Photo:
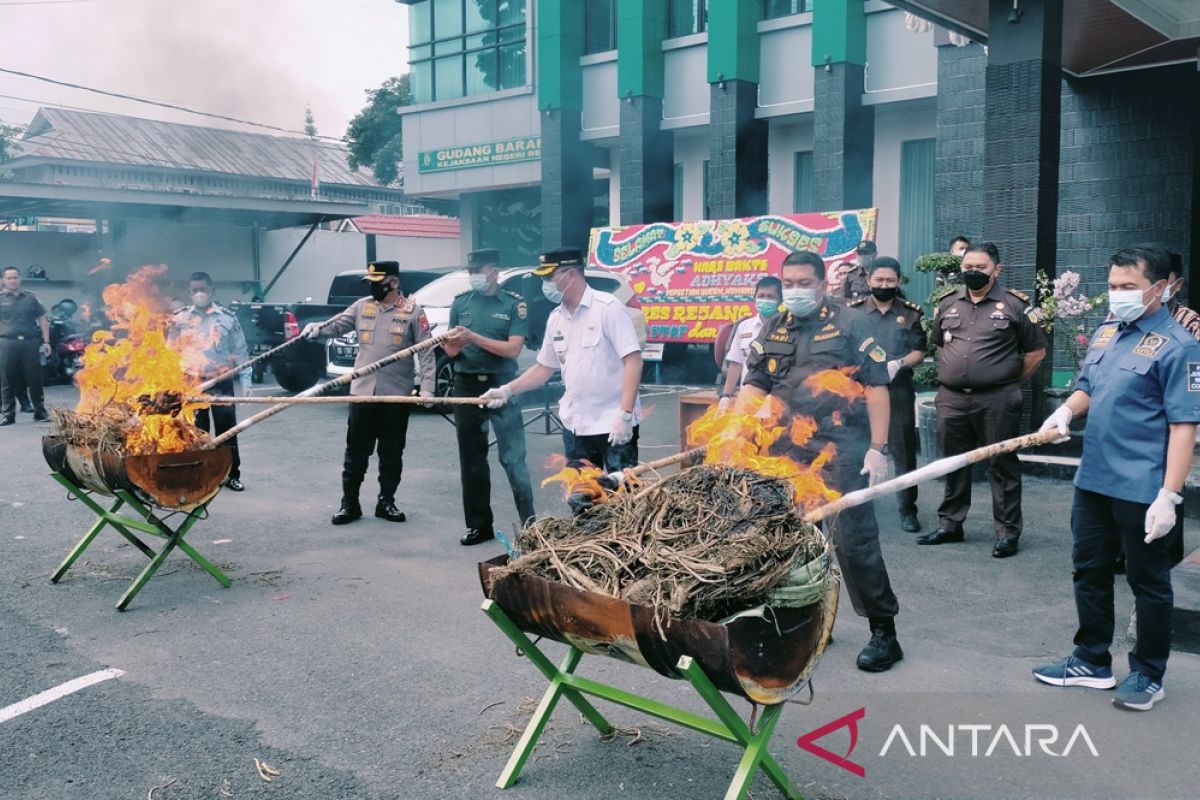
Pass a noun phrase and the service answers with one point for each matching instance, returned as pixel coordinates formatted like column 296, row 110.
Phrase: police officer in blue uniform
column 1140, row 387
column 488, row 327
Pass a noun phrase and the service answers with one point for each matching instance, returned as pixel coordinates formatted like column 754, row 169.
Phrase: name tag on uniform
column 779, row 335
column 501, row 316
column 1150, row 344
column 822, row 337
column 1104, row 337
column 559, row 344
column 1193, row 376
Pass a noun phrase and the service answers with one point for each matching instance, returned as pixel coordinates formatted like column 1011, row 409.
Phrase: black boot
column 350, row 510
column 883, row 651
column 385, row 508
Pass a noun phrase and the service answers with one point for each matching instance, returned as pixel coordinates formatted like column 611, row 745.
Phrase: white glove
column 426, row 393
column 875, row 467
column 498, row 397
column 44, row 350
column 622, row 430
column 893, row 367
column 1060, row 421
column 1160, row 516
column 724, row 404
column 312, row 330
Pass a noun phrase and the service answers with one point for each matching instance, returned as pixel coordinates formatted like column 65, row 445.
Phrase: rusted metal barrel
column 764, row 659
column 172, row 481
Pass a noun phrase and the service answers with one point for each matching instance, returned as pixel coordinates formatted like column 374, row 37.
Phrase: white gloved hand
column 1160, row 516
column 425, row 393
column 724, row 404
column 1059, row 421
column 875, row 467
column 498, row 397
column 893, row 367
column 622, row 430
column 312, row 330
column 44, row 350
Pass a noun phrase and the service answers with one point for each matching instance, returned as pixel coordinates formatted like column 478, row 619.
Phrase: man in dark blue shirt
column 1140, row 386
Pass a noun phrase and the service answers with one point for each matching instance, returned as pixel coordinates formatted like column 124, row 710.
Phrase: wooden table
column 692, row 406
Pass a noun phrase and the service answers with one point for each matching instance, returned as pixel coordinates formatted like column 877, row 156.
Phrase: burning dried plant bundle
column 708, row 542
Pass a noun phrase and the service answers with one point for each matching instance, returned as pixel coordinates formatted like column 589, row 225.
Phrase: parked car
column 268, row 325
column 436, row 297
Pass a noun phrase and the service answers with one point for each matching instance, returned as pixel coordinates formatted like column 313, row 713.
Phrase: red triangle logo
column 808, row 742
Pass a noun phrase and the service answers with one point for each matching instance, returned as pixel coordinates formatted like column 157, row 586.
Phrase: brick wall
column 647, row 163
column 959, row 145
column 737, row 167
column 843, row 139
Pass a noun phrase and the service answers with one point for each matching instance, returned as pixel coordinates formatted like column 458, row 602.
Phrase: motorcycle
column 66, row 346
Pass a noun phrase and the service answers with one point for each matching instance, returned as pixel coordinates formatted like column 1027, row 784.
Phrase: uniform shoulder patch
column 1024, row 298
column 424, row 322
column 522, row 310
column 877, row 354
column 1035, row 315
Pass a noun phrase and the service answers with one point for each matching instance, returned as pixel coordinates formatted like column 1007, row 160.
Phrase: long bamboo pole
column 322, row 388
column 386, row 399
column 232, row 371
column 935, row 469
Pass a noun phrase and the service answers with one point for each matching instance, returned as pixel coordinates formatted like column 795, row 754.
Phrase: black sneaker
column 881, row 653
column 349, row 511
column 477, row 536
column 235, row 485
column 386, row 509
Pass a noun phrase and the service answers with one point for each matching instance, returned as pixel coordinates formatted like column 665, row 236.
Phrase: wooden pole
column 322, row 388
column 388, row 399
column 935, row 469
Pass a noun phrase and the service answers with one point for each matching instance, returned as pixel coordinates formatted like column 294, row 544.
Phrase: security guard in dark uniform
column 386, row 323
column 854, row 283
column 488, row 327
column 815, row 334
column 896, row 326
column 24, row 335
column 991, row 340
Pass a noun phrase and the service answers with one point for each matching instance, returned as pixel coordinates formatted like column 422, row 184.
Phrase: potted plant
column 945, row 269
column 1068, row 314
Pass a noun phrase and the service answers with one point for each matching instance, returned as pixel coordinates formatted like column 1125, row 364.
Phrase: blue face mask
column 801, row 302
column 552, row 292
column 767, row 308
column 1127, row 305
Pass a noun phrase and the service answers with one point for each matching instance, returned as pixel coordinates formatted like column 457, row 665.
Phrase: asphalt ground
column 356, row 661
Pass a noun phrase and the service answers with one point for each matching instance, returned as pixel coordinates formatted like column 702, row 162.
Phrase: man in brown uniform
column 815, row 334
column 990, row 340
column 854, row 282
column 896, row 325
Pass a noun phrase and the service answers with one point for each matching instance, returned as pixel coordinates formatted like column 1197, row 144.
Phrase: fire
column 105, row 264
column 743, row 438
column 576, row 481
column 133, row 359
column 835, row 381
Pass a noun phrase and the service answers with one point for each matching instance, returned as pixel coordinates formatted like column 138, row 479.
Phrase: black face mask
column 975, row 280
column 380, row 291
column 884, row 294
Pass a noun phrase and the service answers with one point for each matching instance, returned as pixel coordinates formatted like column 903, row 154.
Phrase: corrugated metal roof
column 419, row 225
column 116, row 139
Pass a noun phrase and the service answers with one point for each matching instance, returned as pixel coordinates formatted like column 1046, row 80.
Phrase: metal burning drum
column 172, row 481
column 764, row 659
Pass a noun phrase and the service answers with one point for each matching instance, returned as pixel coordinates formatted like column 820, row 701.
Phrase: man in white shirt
column 592, row 341
column 768, row 294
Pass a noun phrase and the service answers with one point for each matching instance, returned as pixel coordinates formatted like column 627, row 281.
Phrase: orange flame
column 740, row 439
column 134, row 359
column 105, row 263
column 835, row 381
column 576, row 481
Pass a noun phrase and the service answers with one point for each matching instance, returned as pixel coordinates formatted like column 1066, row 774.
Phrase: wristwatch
column 882, row 448
column 627, row 416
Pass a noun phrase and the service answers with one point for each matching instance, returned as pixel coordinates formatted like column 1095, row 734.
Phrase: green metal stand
column 125, row 525
column 728, row 726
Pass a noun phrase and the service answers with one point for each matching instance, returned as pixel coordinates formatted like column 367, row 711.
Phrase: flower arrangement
column 1060, row 301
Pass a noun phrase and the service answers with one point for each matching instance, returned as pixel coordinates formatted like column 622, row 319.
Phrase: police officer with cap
column 592, row 341
column 855, row 283
column 991, row 340
column 386, row 323
column 815, row 334
column 488, row 327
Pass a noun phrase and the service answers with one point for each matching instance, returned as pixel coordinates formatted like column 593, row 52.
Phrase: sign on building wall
column 692, row 278
column 486, row 154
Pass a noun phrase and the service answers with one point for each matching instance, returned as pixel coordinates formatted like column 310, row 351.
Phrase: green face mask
column 767, row 308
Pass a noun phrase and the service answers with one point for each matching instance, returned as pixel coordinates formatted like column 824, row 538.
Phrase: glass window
column 447, row 18
column 599, row 26
column 803, row 183
column 686, row 17
column 419, row 27
column 478, row 46
column 448, row 78
column 784, row 8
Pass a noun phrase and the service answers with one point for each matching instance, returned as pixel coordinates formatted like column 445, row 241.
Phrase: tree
column 375, row 135
column 8, row 147
column 310, row 124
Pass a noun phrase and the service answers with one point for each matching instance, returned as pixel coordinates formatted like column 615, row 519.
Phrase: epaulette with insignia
column 1019, row 295
column 858, row 301
column 910, row 304
column 513, row 295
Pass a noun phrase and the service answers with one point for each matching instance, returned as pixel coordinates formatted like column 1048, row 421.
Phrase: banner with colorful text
column 694, row 277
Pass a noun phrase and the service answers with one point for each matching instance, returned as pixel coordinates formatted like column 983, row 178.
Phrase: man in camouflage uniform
column 386, row 323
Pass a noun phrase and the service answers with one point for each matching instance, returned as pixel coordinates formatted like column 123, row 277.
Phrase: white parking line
column 62, row 690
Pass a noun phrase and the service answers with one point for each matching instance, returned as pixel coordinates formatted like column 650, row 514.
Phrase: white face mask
column 801, row 301
column 478, row 282
column 201, row 299
column 1127, row 305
